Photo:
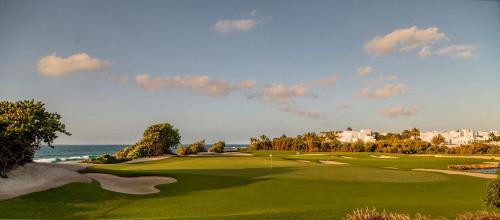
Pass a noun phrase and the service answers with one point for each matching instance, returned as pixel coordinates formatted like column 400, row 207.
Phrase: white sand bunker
column 345, row 157
column 35, row 177
column 304, row 161
column 480, row 175
column 130, row 185
column 331, row 162
column 383, row 157
column 237, row 154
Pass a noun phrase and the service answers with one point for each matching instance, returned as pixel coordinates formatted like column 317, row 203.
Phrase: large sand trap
column 331, row 162
column 304, row 161
column 34, row 177
column 480, row 175
column 237, row 154
column 383, row 157
column 130, row 185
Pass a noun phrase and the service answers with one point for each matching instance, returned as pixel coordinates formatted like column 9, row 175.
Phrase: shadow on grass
column 89, row 201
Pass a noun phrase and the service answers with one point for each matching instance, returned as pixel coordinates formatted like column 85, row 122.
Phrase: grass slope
column 236, row 187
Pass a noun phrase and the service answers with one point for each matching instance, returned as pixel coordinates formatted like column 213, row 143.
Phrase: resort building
column 364, row 135
column 464, row 136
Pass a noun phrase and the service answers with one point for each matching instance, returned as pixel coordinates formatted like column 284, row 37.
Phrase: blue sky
column 229, row 70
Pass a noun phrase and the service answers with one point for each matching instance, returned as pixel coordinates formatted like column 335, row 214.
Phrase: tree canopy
column 24, row 125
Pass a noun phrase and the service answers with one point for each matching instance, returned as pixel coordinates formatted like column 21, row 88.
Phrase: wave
column 61, row 159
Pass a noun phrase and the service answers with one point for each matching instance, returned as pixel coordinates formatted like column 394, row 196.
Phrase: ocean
column 62, row 153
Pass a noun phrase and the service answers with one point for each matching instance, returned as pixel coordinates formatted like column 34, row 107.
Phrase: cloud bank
column 244, row 24
column 202, row 85
column 399, row 111
column 387, row 91
column 54, row 65
column 420, row 40
column 364, row 71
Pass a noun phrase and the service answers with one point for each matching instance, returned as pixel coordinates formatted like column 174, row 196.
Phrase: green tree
column 349, row 129
column 414, row 133
column 218, row 147
column 492, row 198
column 156, row 140
column 438, row 139
column 24, row 125
column 198, row 146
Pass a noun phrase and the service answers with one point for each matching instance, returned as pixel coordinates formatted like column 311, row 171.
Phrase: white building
column 364, row 135
column 464, row 136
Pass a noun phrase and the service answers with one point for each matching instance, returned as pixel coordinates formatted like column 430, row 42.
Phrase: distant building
column 364, row 135
column 464, row 136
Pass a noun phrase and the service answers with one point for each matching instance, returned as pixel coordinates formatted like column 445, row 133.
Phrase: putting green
column 238, row 187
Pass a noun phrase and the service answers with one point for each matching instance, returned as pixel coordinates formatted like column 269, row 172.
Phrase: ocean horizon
column 73, row 152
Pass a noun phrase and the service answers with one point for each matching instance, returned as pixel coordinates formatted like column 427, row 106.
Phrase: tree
column 24, row 125
column 438, row 139
column 156, row 140
column 198, row 146
column 414, row 133
column 218, row 147
column 492, row 198
column 349, row 129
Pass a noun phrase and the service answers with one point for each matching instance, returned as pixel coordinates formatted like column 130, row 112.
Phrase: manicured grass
column 236, row 187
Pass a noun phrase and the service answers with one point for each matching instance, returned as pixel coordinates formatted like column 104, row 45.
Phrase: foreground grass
column 232, row 187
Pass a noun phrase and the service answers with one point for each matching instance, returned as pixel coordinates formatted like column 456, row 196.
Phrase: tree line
column 406, row 142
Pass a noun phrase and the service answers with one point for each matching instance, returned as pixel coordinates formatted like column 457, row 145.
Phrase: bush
column 105, row 159
column 373, row 214
column 182, row 150
column 492, row 198
column 198, row 146
column 218, row 147
column 157, row 140
column 24, row 125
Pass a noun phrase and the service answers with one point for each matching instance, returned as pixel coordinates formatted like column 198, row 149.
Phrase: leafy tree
column 198, row 146
column 349, row 129
column 414, row 133
column 438, row 139
column 24, row 125
column 182, row 150
column 157, row 139
column 218, row 147
column 492, row 198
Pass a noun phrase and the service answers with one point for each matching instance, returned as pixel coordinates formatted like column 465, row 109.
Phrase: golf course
column 257, row 186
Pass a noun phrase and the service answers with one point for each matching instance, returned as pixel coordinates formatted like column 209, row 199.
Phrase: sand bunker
column 35, row 177
column 130, row 185
column 483, row 157
column 345, row 157
column 451, row 172
column 383, row 157
column 237, row 154
column 331, row 162
column 304, row 161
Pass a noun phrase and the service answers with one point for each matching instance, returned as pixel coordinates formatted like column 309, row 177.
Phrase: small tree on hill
column 218, row 147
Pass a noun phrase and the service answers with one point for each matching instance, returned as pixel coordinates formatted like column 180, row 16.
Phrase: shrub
column 492, row 198
column 481, row 215
column 157, row 140
column 373, row 214
column 198, row 146
column 218, row 147
column 182, row 150
column 104, row 159
column 24, row 125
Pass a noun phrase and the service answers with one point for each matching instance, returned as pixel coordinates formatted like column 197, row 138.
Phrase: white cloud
column 405, row 40
column 302, row 113
column 382, row 79
column 279, row 93
column 398, row 111
column 54, row 65
column 244, row 24
column 199, row 84
column 461, row 51
column 364, row 71
column 387, row 91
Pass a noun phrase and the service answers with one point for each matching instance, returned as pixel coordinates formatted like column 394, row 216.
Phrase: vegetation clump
column 194, row 148
column 217, row 147
column 157, row 139
column 373, row 214
column 24, row 125
column 492, row 198
column 105, row 159
column 473, row 166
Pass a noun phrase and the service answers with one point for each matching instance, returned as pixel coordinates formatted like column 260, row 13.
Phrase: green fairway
column 241, row 187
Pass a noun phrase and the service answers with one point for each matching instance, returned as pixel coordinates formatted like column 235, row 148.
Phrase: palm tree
column 415, row 133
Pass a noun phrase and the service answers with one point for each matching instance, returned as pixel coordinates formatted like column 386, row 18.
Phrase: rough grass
column 232, row 187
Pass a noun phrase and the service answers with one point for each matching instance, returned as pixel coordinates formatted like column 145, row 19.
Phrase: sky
column 230, row 70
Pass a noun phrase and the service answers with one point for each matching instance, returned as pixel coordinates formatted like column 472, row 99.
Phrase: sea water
column 60, row 153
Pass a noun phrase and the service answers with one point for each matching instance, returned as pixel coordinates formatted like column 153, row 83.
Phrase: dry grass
column 473, row 166
column 373, row 214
